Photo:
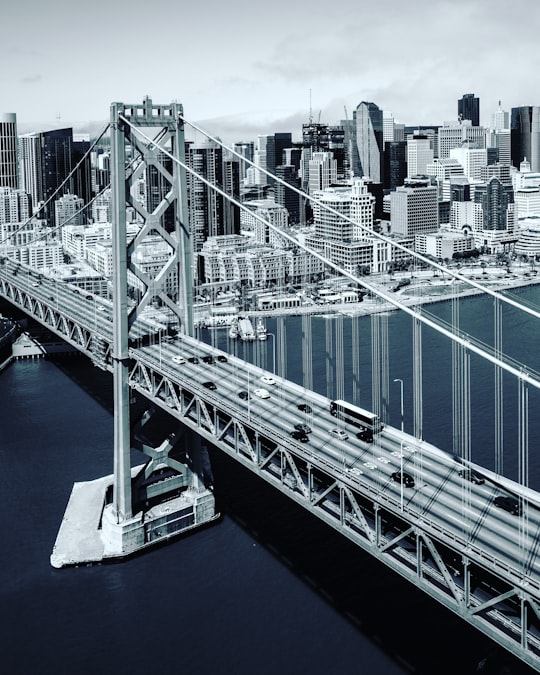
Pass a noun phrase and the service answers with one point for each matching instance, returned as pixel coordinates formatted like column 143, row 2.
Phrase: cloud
column 31, row 79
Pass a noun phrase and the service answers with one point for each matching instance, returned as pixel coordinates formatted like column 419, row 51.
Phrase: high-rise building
column 231, row 185
column 471, row 159
column 369, row 140
column 15, row 205
column 454, row 134
column 469, row 109
column 30, row 175
column 282, row 140
column 525, row 136
column 414, row 209
column 205, row 205
column 419, row 155
column 500, row 119
column 245, row 149
column 325, row 138
column 56, row 149
column 395, row 164
column 322, row 171
column 9, row 175
column 497, row 202
column 285, row 196
column 69, row 209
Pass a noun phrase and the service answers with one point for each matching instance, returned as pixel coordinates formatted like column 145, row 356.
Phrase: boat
column 260, row 330
column 233, row 330
column 245, row 329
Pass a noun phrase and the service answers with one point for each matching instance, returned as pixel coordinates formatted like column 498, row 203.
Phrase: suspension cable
column 520, row 373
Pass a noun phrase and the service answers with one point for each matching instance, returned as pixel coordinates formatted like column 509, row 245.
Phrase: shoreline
column 404, row 295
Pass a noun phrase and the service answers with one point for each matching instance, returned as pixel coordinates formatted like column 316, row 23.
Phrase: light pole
column 397, row 379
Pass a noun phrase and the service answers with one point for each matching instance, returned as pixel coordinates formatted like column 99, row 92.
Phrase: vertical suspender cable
column 456, row 376
column 281, row 365
column 385, row 374
column 417, row 380
column 499, row 417
column 523, row 456
column 340, row 366
column 375, row 363
column 307, row 353
column 355, row 346
column 329, row 360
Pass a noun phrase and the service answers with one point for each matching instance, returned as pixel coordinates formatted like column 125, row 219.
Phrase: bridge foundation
column 90, row 534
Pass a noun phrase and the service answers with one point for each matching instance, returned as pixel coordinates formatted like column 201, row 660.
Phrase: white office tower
column 30, row 177
column 260, row 158
column 419, row 155
column 322, row 171
column 414, row 210
column 102, row 208
column 500, row 119
column 362, row 209
column 454, row 134
column 527, row 202
column 8, row 151
column 471, row 159
column 465, row 217
column 444, row 169
column 69, row 209
column 388, row 126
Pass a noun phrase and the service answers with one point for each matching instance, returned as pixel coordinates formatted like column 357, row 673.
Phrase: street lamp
column 397, row 379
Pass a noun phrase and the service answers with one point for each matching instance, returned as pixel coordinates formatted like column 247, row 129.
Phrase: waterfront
column 268, row 589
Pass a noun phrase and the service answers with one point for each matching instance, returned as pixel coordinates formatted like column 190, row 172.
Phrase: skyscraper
column 525, row 136
column 369, row 140
column 8, row 151
column 469, row 109
column 205, row 205
column 30, row 178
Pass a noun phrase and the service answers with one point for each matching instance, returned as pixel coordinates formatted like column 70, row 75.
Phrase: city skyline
column 241, row 72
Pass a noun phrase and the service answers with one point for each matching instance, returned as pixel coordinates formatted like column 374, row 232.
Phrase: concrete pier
column 89, row 533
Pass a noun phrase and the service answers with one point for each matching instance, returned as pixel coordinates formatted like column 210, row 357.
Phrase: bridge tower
column 147, row 149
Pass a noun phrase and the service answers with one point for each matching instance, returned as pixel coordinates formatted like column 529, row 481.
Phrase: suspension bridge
column 465, row 534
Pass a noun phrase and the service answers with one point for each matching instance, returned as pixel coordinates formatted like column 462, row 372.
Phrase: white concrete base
column 90, row 534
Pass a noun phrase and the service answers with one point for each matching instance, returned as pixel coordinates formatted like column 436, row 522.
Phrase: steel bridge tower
column 147, row 148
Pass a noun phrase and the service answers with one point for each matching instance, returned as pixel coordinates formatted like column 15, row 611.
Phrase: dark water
column 266, row 590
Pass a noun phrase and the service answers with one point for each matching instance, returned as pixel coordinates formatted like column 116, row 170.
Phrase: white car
column 178, row 359
column 268, row 379
column 262, row 393
column 339, row 433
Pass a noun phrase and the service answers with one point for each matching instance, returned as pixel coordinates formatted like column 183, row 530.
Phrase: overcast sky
column 241, row 68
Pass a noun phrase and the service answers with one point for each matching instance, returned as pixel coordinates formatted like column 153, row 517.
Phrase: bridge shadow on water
column 410, row 627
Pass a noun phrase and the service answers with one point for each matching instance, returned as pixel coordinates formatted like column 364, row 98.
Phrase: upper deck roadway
column 445, row 533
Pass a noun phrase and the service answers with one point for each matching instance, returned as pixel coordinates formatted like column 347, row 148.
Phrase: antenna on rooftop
column 310, row 112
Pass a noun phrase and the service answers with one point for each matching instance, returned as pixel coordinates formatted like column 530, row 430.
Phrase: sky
column 243, row 68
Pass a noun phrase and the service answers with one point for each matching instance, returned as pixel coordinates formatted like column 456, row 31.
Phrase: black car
column 193, row 359
column 299, row 436
column 304, row 407
column 222, row 359
column 243, row 395
column 208, row 359
column 209, row 385
column 510, row 504
column 403, row 477
column 473, row 476
column 303, row 428
column 365, row 435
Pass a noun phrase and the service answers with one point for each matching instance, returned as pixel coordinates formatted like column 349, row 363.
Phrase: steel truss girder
column 469, row 586
column 50, row 316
